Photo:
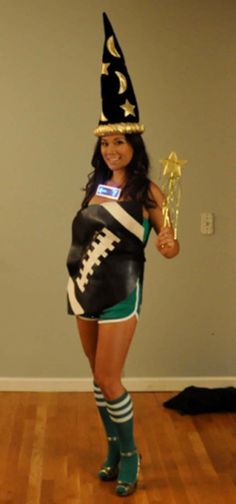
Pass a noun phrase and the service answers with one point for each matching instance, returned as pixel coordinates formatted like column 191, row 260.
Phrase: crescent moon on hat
column 112, row 48
column 103, row 117
column 122, row 81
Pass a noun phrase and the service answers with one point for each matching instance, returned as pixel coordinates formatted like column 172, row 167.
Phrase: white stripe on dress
column 76, row 307
column 124, row 218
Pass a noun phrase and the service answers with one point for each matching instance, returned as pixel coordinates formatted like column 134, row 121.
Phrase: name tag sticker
column 108, row 191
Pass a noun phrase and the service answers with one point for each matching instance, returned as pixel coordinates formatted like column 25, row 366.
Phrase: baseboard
column 139, row 384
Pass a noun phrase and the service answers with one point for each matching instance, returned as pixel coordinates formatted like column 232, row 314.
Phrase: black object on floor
column 194, row 400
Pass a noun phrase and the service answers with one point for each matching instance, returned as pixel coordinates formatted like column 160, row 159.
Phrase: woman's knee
column 111, row 386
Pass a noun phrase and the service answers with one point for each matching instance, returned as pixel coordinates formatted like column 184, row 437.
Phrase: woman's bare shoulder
column 156, row 193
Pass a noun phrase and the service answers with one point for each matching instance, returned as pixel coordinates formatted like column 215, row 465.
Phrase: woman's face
column 116, row 151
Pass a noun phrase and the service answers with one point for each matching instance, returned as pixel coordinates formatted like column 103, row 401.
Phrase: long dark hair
column 137, row 185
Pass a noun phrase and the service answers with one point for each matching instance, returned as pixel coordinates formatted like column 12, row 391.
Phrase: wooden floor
column 51, row 445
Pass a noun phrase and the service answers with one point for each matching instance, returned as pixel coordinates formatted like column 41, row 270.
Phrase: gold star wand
column 171, row 189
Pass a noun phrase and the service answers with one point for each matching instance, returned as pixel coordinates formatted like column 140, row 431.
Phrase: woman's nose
column 111, row 148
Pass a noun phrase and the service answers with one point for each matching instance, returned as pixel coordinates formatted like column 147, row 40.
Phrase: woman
column 120, row 161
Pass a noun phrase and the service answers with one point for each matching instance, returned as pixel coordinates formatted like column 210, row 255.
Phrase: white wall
column 181, row 57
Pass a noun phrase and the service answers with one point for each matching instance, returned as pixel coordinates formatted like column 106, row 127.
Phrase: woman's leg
column 113, row 344
column 88, row 331
column 114, row 339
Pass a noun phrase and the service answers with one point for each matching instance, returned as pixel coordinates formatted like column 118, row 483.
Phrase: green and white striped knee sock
column 113, row 455
column 121, row 413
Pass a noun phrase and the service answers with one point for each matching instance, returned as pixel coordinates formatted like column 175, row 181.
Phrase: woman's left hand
column 166, row 244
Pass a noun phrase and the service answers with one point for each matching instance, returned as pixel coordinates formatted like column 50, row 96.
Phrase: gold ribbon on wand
column 171, row 188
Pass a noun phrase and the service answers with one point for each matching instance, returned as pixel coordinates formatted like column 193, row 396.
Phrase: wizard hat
column 120, row 112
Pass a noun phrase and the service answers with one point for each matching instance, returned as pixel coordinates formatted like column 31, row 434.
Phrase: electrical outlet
column 207, row 223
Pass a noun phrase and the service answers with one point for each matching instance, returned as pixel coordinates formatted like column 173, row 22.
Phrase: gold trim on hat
column 123, row 128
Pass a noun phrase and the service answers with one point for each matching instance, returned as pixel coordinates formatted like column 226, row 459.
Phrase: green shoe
column 110, row 469
column 124, row 488
column 108, row 473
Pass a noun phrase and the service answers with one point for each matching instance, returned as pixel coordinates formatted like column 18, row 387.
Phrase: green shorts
column 121, row 311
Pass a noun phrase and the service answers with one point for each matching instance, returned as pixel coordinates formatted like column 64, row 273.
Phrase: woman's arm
column 166, row 244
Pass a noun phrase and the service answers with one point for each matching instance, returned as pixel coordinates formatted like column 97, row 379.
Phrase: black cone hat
column 120, row 112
